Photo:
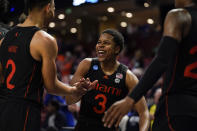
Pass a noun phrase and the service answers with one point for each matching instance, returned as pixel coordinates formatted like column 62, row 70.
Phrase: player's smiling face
column 105, row 47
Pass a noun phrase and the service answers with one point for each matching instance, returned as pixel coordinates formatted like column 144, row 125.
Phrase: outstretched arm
column 44, row 48
column 176, row 26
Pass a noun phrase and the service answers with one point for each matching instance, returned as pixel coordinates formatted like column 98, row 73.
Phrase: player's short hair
column 3, row 7
column 31, row 4
column 117, row 37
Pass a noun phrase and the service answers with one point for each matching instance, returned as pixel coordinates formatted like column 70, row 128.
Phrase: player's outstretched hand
column 83, row 86
column 115, row 113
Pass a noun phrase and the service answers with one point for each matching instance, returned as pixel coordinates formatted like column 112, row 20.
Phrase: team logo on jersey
column 117, row 80
column 119, row 75
column 105, row 77
column 12, row 49
column 95, row 67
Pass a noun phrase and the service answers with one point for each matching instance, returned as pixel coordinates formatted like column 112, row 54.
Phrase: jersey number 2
column 13, row 67
column 188, row 70
column 101, row 104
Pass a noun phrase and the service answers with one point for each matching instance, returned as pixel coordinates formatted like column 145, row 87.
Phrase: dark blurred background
column 81, row 21
column 78, row 23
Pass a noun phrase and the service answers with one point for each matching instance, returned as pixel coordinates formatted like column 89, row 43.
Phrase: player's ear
column 47, row 7
column 117, row 49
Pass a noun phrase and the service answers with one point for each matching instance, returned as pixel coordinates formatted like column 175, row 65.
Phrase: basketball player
column 176, row 59
column 115, row 81
column 27, row 56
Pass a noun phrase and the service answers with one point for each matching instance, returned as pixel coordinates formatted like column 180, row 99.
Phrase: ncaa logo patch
column 95, row 67
column 117, row 80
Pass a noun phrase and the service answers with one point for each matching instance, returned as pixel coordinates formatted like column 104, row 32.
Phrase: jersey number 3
column 101, row 104
column 13, row 67
column 188, row 70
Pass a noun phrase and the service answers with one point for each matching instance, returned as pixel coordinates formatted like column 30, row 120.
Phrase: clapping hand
column 83, row 86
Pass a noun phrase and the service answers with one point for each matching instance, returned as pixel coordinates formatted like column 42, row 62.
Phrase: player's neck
column 34, row 19
column 109, row 66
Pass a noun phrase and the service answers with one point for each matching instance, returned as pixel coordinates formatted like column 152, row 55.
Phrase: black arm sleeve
column 167, row 50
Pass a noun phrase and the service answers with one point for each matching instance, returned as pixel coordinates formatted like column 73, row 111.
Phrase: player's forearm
column 144, row 121
column 152, row 74
column 71, row 99
column 60, row 88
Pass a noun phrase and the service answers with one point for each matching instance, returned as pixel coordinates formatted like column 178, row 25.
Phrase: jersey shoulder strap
column 123, row 68
column 93, row 67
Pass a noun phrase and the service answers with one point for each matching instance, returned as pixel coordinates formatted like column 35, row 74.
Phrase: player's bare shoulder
column 131, row 75
column 43, row 44
column 44, row 37
column 177, row 23
column 86, row 63
column 177, row 11
column 181, row 15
